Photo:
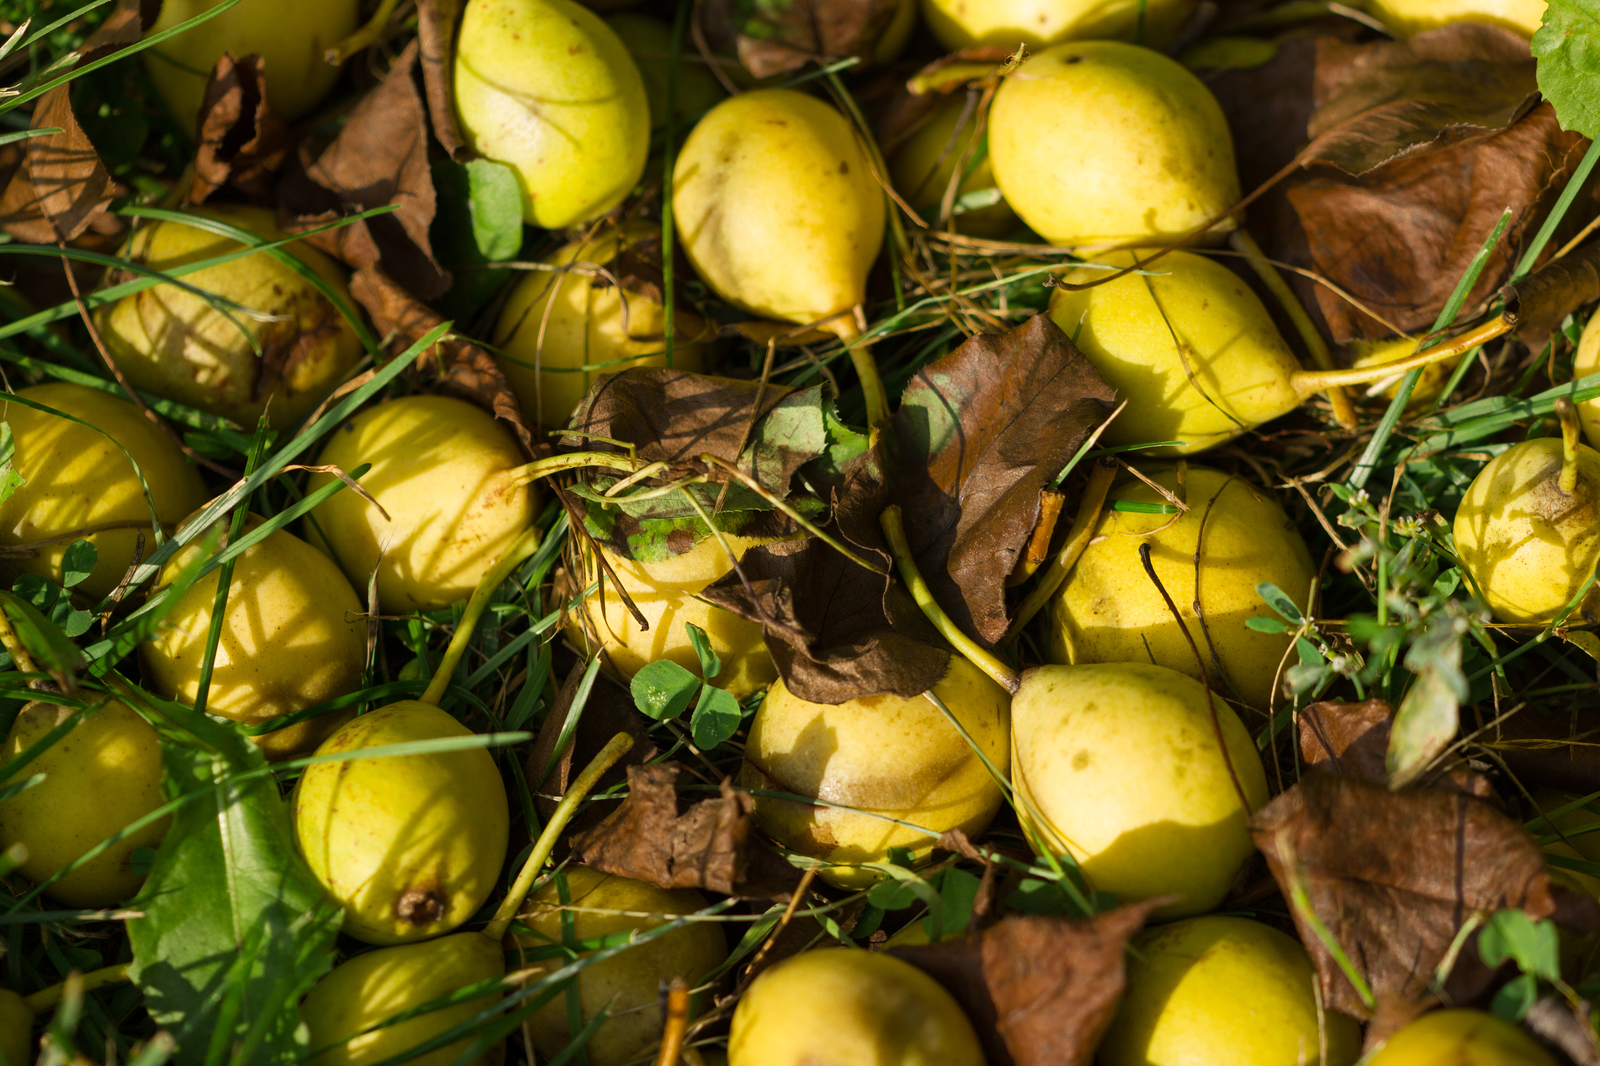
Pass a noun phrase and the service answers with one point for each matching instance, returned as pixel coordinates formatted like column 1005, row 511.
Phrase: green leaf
column 1567, row 47
column 77, row 563
column 1427, row 720
column 958, row 891
column 1279, row 601
column 710, row 661
column 1265, row 625
column 1512, row 934
column 10, row 480
column 45, row 641
column 1514, row 998
column 716, row 718
column 663, row 689
column 496, row 205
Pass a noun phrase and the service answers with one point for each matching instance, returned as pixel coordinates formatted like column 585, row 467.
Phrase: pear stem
column 1090, row 504
column 1309, row 382
column 524, row 546
column 46, row 998
column 554, row 464
column 1568, row 414
column 364, row 36
column 615, row 749
column 847, row 330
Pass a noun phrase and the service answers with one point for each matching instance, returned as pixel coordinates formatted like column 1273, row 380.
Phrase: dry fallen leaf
column 436, row 29
column 608, row 711
column 1353, row 739
column 775, row 38
column 242, row 143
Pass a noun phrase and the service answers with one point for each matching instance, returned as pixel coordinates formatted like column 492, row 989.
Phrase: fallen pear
column 923, row 165
column 78, row 484
column 1407, row 18
column 1461, row 1038
column 1039, row 23
column 16, row 1029
column 1586, row 361
column 649, row 40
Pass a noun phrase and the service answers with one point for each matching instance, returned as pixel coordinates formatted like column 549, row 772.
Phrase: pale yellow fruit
column 100, row 778
column 292, row 637
column 1584, row 363
column 557, row 324
column 446, row 473
column 1407, row 18
column 1099, row 144
column 1121, row 762
column 1038, row 23
column 1429, row 385
column 649, row 41
column 1530, row 546
column 1187, row 344
column 173, row 343
column 377, row 985
column 924, row 163
column 1223, row 989
column 548, row 89
column 1461, row 1038
column 16, row 1029
column 847, row 1006
column 291, row 37
column 776, row 206
column 628, row 984
column 878, row 755
column 77, row 479
column 1109, row 611
column 410, row 845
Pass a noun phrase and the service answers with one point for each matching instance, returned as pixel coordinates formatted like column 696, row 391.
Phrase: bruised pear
column 1109, row 611
column 1407, row 18
column 171, row 342
column 1118, row 765
column 410, row 845
column 876, row 757
column 560, row 329
column 78, row 484
column 582, row 903
column 548, row 89
column 1461, row 1038
column 1038, row 23
column 845, row 1005
column 1100, row 144
column 1223, row 989
column 447, row 474
column 99, row 778
column 925, row 162
column 292, row 637
column 777, row 208
column 649, row 41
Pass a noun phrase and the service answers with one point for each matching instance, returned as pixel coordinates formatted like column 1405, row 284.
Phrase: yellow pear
column 16, row 1029
column 1584, row 363
column 411, row 845
column 1461, row 1038
column 171, row 342
column 1038, row 23
column 548, row 89
column 844, row 1005
column 628, row 984
column 99, row 778
column 877, row 756
column 560, row 329
column 447, row 474
column 649, row 40
column 1117, row 764
column 1407, row 18
column 924, row 163
column 1223, row 989
column 292, row 637
column 1109, row 611
column 76, row 479
column 1099, row 144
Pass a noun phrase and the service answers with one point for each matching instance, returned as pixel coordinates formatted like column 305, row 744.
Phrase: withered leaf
column 1545, row 297
column 774, row 37
column 1352, row 739
column 609, row 710
column 242, row 143
column 1040, row 991
column 436, row 30
column 711, row 845
column 907, row 110
column 669, row 415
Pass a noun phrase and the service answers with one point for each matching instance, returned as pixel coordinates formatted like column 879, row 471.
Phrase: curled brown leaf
column 242, row 143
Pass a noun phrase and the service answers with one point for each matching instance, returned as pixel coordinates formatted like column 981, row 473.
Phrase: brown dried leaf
column 242, row 143
column 1541, row 300
column 776, row 37
column 708, row 846
column 436, row 29
column 608, row 711
column 1353, row 739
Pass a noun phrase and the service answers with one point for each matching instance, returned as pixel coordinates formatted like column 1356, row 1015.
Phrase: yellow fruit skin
column 1038, row 23
column 1221, row 989
column 1121, row 761
column 776, row 205
column 423, row 835
column 924, row 163
column 290, row 35
column 1407, row 18
column 649, row 41
column 16, row 1029
column 564, row 321
column 847, row 1006
column 77, row 478
column 100, row 778
column 630, row 983
column 1232, row 373
column 547, row 88
column 1108, row 611
column 442, row 469
column 1584, row 363
column 379, row 984
column 1461, row 1038
column 1099, row 144
column 292, row 638
column 172, row 343
column 877, row 755
column 1529, row 546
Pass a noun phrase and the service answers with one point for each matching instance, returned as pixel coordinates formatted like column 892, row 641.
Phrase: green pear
column 1461, row 1038
column 1040, row 23
column 924, row 163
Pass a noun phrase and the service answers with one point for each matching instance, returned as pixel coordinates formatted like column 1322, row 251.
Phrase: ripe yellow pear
column 1099, row 144
column 1187, row 344
column 649, row 41
column 844, row 1005
column 924, row 163
column 291, row 36
column 100, row 778
column 447, row 474
column 777, row 208
column 76, row 479
column 292, row 637
column 1223, row 989
column 411, row 845
column 1461, row 1038
column 878, row 755
column 1039, row 23
column 557, row 325
column 173, row 343
column 628, row 984
column 1121, row 763
column 1108, row 610
column 548, row 89
column 16, row 1029
column 1584, row 363
column 1407, row 18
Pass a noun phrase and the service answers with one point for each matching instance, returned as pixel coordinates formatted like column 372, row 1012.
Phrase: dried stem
column 1568, row 414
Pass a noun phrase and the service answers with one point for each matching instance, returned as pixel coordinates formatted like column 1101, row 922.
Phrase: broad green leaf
column 1265, row 625
column 710, row 661
column 716, row 718
column 77, row 563
column 496, row 206
column 1514, row 998
column 663, row 689
column 958, row 891
column 10, row 480
column 1279, row 601
column 1567, row 47
column 1512, row 934
column 45, row 641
